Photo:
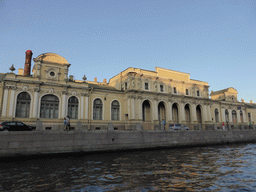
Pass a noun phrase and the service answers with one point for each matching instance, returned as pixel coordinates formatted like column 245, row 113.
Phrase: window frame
column 97, row 108
column 23, row 98
column 115, row 111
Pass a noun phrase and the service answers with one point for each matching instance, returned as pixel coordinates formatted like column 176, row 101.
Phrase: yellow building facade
column 133, row 99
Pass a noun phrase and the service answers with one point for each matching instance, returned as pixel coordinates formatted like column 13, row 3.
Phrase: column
column 12, row 101
column 209, row 113
column 81, row 107
column 230, row 116
column 5, row 101
column 63, row 106
column 193, row 114
column 169, row 111
column 35, row 103
column 86, row 115
column 139, row 107
column 223, row 115
column 155, row 110
column 132, row 107
column 182, row 112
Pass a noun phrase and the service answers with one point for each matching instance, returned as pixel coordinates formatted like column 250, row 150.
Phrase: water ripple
column 219, row 168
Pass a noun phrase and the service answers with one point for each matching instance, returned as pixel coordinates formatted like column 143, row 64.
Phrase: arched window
column 241, row 116
column 49, row 107
column 199, row 114
column 115, row 107
column 226, row 116
column 97, row 109
column 146, row 111
column 23, row 105
column 234, row 117
column 216, row 115
column 161, row 112
column 73, row 107
column 175, row 113
column 187, row 113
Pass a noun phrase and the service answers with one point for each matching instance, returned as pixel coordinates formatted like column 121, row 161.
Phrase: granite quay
column 92, row 140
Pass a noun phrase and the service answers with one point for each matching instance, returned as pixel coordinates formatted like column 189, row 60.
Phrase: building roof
column 51, row 58
column 230, row 90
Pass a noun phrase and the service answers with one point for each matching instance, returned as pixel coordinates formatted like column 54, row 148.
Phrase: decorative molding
column 37, row 89
column 74, row 93
column 51, row 90
column 84, row 94
column 25, row 88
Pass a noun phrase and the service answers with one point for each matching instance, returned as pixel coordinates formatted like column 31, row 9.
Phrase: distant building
column 134, row 96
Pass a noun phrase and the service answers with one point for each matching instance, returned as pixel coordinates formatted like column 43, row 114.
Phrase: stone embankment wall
column 47, row 142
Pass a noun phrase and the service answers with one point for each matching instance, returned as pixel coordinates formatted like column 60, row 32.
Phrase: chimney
column 104, row 80
column 20, row 72
column 27, row 67
column 250, row 101
column 95, row 79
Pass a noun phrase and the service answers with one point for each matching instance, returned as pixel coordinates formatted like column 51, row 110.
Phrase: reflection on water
column 215, row 168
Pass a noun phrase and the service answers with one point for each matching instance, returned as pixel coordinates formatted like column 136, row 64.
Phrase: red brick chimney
column 27, row 67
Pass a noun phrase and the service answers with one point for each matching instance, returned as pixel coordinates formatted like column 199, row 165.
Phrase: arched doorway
column 199, row 114
column 187, row 113
column 161, row 112
column 146, row 113
column 175, row 113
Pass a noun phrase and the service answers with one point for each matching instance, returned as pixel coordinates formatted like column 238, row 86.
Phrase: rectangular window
column 198, row 93
column 146, row 86
column 125, row 85
column 186, row 91
column 161, row 88
column 174, row 90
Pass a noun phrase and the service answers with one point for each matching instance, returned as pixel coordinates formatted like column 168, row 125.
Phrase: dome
column 51, row 58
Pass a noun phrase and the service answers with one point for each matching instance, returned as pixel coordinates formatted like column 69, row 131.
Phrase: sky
column 213, row 41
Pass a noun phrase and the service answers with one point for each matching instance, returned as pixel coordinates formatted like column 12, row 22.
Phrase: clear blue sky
column 213, row 40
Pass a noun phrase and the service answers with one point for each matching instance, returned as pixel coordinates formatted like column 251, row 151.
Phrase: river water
column 212, row 168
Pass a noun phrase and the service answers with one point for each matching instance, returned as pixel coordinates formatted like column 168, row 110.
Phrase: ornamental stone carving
column 25, row 88
column 51, row 91
column 84, row 94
